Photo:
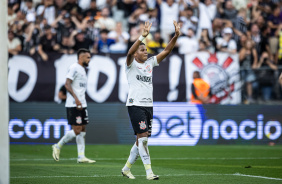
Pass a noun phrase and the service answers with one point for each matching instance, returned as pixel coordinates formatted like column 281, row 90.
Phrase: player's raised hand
column 146, row 29
column 177, row 28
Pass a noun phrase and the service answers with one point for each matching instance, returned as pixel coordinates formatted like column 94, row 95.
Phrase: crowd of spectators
column 251, row 28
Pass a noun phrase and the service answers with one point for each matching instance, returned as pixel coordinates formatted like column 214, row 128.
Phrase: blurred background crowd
column 251, row 28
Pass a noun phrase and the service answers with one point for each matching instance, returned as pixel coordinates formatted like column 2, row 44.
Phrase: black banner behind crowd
column 31, row 79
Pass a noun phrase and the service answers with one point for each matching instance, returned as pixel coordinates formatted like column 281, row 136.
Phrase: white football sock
column 80, row 141
column 144, row 153
column 134, row 154
column 66, row 138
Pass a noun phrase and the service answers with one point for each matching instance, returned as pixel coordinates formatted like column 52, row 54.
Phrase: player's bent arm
column 40, row 49
column 171, row 44
column 69, row 88
column 134, row 47
column 167, row 50
column 132, row 50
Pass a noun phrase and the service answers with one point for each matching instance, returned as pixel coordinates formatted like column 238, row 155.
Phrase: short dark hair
column 46, row 27
column 197, row 73
column 104, row 31
column 189, row 8
column 264, row 28
column 142, row 44
column 82, row 51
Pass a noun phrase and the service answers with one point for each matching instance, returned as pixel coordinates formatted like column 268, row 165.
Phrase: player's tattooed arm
column 134, row 47
column 69, row 88
column 171, row 44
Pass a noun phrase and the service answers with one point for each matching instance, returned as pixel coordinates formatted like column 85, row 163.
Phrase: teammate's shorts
column 141, row 118
column 77, row 117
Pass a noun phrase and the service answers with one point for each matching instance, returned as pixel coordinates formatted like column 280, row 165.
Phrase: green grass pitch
column 199, row 164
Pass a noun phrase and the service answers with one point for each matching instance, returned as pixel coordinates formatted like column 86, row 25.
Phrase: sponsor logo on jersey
column 78, row 120
column 142, row 125
column 143, row 78
column 131, row 100
column 83, row 85
column 146, row 100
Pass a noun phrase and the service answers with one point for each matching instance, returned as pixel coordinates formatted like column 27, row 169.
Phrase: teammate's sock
column 148, row 169
column 144, row 153
column 66, row 138
column 80, row 141
column 132, row 158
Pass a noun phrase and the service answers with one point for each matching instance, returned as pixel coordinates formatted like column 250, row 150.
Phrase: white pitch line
column 187, row 158
column 252, row 176
column 167, row 175
column 104, row 176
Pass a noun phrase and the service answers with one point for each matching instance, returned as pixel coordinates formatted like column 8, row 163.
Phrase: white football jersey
column 140, row 81
column 77, row 74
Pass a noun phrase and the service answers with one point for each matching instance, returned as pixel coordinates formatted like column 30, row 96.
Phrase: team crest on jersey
column 131, row 100
column 149, row 69
column 78, row 120
column 142, row 125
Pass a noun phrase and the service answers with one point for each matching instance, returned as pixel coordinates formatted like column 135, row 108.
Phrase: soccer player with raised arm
column 139, row 70
column 77, row 114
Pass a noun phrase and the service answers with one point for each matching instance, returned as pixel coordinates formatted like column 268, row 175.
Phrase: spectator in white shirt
column 189, row 21
column 121, row 37
column 105, row 22
column 226, row 44
column 169, row 12
column 11, row 15
column 14, row 44
column 47, row 11
column 187, row 44
column 206, row 16
column 29, row 10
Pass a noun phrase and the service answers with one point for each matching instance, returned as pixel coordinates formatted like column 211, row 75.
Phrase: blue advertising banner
column 175, row 123
column 188, row 125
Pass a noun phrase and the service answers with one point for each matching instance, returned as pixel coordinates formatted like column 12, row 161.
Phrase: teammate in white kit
column 139, row 71
column 76, row 107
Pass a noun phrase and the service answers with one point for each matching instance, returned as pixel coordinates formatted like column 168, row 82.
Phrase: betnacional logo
column 183, row 124
column 178, row 124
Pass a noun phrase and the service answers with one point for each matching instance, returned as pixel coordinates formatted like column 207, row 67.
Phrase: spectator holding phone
column 266, row 75
column 248, row 60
